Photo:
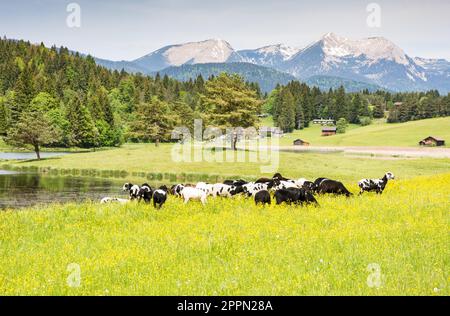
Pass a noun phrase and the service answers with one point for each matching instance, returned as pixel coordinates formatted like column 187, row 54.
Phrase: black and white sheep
column 377, row 185
column 224, row 190
column 235, row 182
column 309, row 186
column 145, row 193
column 159, row 197
column 132, row 189
column 251, row 188
column 318, row 181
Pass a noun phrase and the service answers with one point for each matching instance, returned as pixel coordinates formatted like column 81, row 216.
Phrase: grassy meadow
column 146, row 158
column 379, row 133
column 232, row 247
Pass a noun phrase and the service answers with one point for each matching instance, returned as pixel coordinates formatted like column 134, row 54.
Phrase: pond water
column 28, row 155
column 19, row 190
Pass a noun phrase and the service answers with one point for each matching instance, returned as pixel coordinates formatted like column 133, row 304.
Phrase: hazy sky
column 118, row 30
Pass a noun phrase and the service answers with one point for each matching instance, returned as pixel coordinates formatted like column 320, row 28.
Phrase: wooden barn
column 432, row 141
column 328, row 131
column 301, row 142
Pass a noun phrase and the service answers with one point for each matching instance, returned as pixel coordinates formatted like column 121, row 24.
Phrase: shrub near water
column 231, row 247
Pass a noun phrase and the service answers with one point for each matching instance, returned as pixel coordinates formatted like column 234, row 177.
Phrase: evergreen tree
column 83, row 131
column 300, row 115
column 44, row 102
column 4, row 116
column 341, row 125
column 353, row 116
column 378, row 110
column 24, row 92
column 230, row 103
column 340, row 104
column 285, row 109
column 153, row 122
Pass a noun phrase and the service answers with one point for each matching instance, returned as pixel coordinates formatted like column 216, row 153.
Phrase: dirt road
column 408, row 152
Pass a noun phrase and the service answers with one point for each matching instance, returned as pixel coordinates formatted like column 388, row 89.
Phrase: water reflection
column 20, row 190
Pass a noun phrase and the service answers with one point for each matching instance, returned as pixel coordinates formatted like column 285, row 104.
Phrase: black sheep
column 328, row 186
column 296, row 196
column 278, row 176
column 262, row 197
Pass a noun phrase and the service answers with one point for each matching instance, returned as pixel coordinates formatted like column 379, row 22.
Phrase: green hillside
column 325, row 83
column 378, row 134
column 267, row 78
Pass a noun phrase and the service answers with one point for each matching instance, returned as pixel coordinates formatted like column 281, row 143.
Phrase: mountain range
column 372, row 63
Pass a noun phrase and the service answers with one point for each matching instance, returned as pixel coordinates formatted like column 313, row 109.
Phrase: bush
column 341, row 126
column 365, row 120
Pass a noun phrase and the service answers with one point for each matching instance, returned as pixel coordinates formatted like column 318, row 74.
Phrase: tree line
column 295, row 105
column 57, row 98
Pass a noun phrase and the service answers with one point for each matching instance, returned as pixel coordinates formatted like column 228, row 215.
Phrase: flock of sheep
column 285, row 190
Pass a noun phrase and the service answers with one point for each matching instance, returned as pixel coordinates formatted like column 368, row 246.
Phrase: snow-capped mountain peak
column 270, row 56
column 208, row 51
column 433, row 64
column 374, row 48
column 285, row 51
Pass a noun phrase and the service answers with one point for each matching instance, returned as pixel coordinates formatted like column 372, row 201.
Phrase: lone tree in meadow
column 32, row 129
column 153, row 122
column 230, row 103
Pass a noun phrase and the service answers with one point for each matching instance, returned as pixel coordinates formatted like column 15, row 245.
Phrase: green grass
column 231, row 247
column 378, row 134
column 148, row 158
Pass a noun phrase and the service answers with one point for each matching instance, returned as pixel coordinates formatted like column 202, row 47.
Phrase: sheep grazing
column 328, row 186
column 251, row 188
column 309, row 186
column 278, row 176
column 132, row 189
column 176, row 189
column 145, row 193
column 107, row 200
column 377, row 185
column 189, row 193
column 235, row 182
column 160, row 197
column 224, row 190
column 294, row 196
column 281, row 185
column 205, row 187
column 318, row 181
column 236, row 189
column 262, row 197
column 263, row 180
